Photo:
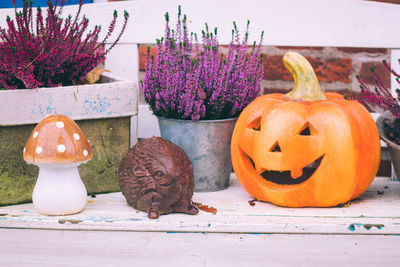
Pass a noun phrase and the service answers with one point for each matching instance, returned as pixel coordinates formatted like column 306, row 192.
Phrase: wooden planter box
column 106, row 113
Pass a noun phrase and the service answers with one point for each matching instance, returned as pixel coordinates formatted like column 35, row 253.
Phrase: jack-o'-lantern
column 305, row 148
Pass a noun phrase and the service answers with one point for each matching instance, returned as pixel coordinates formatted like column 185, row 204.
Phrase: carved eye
column 158, row 174
column 140, row 171
column 255, row 124
column 307, row 129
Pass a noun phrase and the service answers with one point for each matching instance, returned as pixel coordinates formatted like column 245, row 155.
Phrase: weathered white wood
column 123, row 59
column 147, row 122
column 395, row 65
column 373, row 213
column 104, row 100
column 285, row 22
column 394, row 85
column 92, row 248
column 134, row 131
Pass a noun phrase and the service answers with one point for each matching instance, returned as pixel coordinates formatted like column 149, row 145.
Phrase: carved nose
column 149, row 186
column 152, row 185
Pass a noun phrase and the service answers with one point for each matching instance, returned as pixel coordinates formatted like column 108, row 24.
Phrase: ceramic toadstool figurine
column 57, row 146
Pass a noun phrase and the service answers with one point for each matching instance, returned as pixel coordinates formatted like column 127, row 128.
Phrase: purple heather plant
column 50, row 51
column 381, row 96
column 190, row 81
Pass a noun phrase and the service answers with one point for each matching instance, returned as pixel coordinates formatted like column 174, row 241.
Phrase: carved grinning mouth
column 285, row 178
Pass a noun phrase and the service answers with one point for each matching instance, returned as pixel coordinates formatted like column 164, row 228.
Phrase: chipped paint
column 367, row 226
column 62, row 221
column 100, row 219
column 352, row 227
column 109, row 219
column 97, row 105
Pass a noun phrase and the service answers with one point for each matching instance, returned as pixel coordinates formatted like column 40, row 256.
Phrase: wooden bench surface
column 110, row 233
column 376, row 212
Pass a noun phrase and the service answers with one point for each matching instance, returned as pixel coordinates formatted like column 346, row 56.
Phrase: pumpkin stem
column 306, row 85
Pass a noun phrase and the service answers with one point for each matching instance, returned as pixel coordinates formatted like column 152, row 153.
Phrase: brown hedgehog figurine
column 156, row 177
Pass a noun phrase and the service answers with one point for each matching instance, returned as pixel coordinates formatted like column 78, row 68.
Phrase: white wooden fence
column 339, row 23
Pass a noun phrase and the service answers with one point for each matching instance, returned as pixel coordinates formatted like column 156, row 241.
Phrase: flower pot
column 207, row 145
column 394, row 148
column 103, row 111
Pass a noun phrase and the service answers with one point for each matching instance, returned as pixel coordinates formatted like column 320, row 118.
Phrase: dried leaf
column 345, row 205
column 205, row 208
column 252, row 202
column 70, row 221
column 94, row 75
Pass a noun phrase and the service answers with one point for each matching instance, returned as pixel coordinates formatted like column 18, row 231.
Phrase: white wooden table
column 111, row 233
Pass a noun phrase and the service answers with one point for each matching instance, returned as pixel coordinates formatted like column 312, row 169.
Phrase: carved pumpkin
column 305, row 148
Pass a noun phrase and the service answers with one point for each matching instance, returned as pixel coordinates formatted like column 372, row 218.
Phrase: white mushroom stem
column 59, row 190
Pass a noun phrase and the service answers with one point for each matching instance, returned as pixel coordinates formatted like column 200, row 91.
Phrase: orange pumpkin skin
column 342, row 134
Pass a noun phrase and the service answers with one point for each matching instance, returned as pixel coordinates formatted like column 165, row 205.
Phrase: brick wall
column 335, row 68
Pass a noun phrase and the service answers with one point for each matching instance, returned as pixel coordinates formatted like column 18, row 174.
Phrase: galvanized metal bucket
column 394, row 149
column 207, row 145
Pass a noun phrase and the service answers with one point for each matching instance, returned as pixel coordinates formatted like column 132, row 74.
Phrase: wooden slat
column 148, row 123
column 286, row 22
column 395, row 65
column 123, row 60
column 89, row 248
column 373, row 213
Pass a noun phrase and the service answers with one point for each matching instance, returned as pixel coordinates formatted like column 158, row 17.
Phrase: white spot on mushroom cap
column 60, row 124
column 85, row 152
column 61, row 148
column 76, row 136
column 24, row 150
column 35, row 134
column 39, row 149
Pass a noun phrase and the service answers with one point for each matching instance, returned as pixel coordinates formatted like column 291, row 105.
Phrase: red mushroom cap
column 57, row 140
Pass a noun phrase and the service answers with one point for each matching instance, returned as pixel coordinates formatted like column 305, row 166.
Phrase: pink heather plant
column 50, row 51
column 189, row 81
column 381, row 95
